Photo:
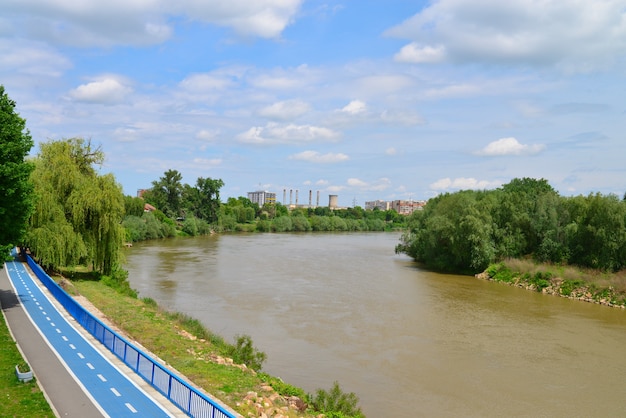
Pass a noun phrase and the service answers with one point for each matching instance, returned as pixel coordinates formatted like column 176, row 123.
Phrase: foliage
column 244, row 352
column 15, row 184
column 118, row 280
column 336, row 403
column 78, row 213
column 133, row 206
column 467, row 230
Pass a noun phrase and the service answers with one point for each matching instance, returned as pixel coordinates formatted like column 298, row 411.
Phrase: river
column 408, row 342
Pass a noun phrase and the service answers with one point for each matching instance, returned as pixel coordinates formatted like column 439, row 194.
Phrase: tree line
column 526, row 218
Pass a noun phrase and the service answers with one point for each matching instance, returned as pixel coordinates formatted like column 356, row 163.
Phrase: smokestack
column 317, row 202
column 290, row 196
column 296, row 197
column 310, row 197
column 284, row 196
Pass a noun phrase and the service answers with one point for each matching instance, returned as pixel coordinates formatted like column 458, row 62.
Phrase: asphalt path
column 112, row 393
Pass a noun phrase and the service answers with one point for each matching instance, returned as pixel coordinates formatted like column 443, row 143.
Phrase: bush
column 335, row 403
column 118, row 280
column 244, row 352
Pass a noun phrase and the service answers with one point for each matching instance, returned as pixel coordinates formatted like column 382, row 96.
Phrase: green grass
column 17, row 399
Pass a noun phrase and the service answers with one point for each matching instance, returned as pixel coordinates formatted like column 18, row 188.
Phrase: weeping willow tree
column 78, row 213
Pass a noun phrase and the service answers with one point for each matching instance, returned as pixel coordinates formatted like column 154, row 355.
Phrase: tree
column 15, row 186
column 78, row 213
column 166, row 193
column 203, row 200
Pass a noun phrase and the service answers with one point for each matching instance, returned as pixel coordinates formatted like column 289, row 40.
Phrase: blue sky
column 364, row 99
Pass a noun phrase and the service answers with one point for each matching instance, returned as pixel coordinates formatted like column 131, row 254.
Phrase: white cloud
column 391, row 151
column 574, row 35
column 105, row 91
column 354, row 182
column 207, row 162
column 205, row 82
column 509, row 146
column 285, row 110
column 32, row 58
column 379, row 185
column 401, row 117
column 462, row 183
column 413, row 53
column 354, row 107
column 144, row 22
column 274, row 133
column 316, row 157
column 206, row 135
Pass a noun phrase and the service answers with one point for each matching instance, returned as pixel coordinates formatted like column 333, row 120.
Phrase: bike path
column 111, row 391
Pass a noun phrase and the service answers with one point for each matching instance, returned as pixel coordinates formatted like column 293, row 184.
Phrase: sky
column 363, row 99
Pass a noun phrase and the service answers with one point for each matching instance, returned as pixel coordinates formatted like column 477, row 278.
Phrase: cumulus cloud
column 316, row 157
column 354, row 107
column 462, row 183
column 285, row 110
column 274, row 133
column 141, row 22
column 509, row 146
column 104, row 91
column 378, row 185
column 414, row 53
column 575, row 35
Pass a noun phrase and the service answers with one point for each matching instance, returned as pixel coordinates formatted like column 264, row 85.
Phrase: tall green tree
column 15, row 185
column 166, row 193
column 78, row 214
column 203, row 200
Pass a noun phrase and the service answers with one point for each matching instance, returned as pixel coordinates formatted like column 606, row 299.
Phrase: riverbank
column 590, row 286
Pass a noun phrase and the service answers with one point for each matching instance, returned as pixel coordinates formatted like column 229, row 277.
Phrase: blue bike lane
column 111, row 390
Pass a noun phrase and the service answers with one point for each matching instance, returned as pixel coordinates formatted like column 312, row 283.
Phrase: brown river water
column 408, row 342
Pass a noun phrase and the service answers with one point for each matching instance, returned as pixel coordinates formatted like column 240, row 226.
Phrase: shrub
column 243, row 352
column 336, row 403
column 118, row 280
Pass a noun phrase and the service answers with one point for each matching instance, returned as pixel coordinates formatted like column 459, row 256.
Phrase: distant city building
column 407, row 207
column 262, row 197
column 380, row 204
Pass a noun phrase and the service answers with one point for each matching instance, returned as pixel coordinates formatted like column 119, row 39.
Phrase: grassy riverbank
column 17, row 399
column 588, row 285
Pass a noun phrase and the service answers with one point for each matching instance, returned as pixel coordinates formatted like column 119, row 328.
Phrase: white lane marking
column 58, row 331
column 64, row 338
column 52, row 323
column 129, row 406
column 41, row 309
column 72, row 346
column 115, row 392
column 81, row 355
column 90, row 366
column 102, row 378
column 47, row 318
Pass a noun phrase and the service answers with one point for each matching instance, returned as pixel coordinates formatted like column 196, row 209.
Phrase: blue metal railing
column 188, row 399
